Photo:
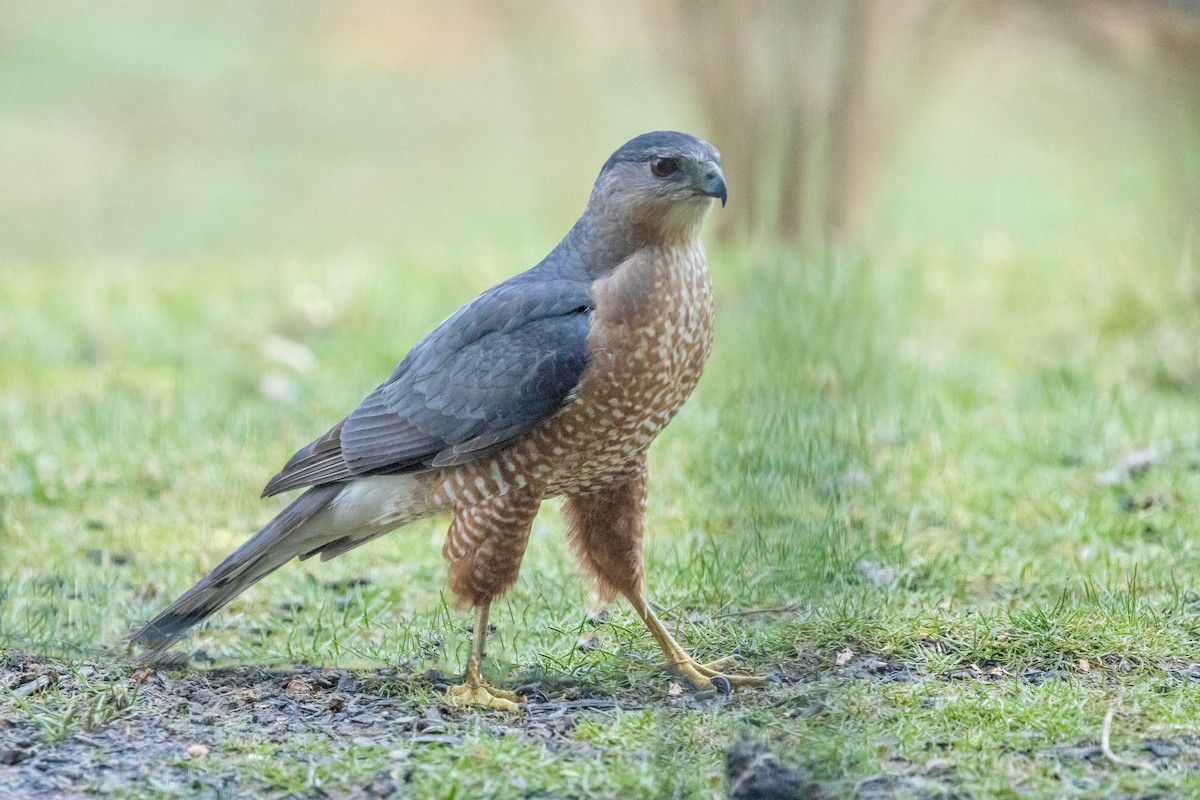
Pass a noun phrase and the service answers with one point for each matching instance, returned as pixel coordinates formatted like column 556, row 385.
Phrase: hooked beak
column 712, row 183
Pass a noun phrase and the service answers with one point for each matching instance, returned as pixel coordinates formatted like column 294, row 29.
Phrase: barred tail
column 281, row 540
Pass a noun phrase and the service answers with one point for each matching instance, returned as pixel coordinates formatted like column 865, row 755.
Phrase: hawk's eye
column 662, row 167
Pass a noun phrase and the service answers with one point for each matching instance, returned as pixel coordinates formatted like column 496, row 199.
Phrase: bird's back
column 651, row 332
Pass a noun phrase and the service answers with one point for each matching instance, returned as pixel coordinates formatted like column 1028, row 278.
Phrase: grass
column 895, row 451
column 830, row 492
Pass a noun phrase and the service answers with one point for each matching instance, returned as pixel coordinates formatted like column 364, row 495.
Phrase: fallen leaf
column 999, row 672
column 674, row 689
column 843, row 658
column 143, row 675
column 197, row 750
column 1084, row 666
column 975, row 668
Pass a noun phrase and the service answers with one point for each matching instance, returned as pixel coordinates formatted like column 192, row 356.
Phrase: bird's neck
column 603, row 242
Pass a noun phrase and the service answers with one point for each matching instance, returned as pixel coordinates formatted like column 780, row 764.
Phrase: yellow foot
column 703, row 677
column 482, row 694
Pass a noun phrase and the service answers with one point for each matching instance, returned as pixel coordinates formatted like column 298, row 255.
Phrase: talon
column 723, row 663
column 703, row 677
column 486, row 696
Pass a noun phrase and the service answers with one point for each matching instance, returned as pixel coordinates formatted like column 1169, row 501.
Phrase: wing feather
column 489, row 373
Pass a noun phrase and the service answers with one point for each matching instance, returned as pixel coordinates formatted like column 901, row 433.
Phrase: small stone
column 1160, row 748
column 35, row 685
column 383, row 787
column 12, row 755
column 755, row 774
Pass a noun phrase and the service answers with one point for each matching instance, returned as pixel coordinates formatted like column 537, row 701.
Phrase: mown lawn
column 939, row 483
column 868, row 466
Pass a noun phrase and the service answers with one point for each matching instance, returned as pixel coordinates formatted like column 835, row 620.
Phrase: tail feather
column 272, row 547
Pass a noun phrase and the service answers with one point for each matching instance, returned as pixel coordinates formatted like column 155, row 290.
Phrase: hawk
column 551, row 384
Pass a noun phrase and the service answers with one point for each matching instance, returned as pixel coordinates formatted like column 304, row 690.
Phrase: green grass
column 134, row 450
column 895, row 449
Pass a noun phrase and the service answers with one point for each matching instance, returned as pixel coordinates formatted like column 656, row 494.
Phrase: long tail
column 283, row 539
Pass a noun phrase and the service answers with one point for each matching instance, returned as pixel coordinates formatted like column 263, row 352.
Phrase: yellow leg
column 474, row 690
column 700, row 676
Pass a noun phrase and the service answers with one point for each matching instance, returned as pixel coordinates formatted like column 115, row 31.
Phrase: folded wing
column 493, row 370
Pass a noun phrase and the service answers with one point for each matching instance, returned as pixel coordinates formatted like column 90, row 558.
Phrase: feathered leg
column 606, row 529
column 485, row 546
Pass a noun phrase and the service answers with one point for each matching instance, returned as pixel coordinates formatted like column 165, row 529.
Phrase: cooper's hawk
column 553, row 383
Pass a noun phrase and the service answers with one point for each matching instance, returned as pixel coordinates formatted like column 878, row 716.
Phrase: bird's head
column 658, row 186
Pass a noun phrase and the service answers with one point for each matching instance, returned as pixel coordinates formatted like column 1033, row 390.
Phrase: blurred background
column 321, row 130
column 951, row 416
column 957, row 270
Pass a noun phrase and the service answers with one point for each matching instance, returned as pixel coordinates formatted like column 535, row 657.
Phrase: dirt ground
column 143, row 731
column 97, row 728
column 158, row 724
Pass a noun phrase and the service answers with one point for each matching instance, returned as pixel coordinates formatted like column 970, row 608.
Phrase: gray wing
column 490, row 372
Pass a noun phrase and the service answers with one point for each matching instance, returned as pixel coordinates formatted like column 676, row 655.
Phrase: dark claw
column 721, row 684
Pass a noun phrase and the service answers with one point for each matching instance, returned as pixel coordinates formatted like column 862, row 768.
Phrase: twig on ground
column 1106, row 747
column 756, row 611
column 1137, row 462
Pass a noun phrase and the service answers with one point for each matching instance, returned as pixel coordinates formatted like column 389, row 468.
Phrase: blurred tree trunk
column 808, row 98
column 1157, row 44
column 805, row 98
column 849, row 118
